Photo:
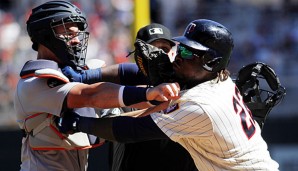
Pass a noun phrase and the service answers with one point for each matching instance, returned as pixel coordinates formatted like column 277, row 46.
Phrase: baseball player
column 58, row 32
column 210, row 119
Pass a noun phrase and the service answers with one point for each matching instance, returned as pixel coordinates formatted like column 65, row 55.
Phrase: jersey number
column 245, row 115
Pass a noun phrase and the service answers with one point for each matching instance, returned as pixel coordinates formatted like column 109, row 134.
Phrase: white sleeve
column 186, row 119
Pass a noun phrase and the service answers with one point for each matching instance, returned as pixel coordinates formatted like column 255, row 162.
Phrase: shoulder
column 32, row 86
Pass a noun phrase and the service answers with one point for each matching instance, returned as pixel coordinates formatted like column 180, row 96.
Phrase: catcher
column 58, row 31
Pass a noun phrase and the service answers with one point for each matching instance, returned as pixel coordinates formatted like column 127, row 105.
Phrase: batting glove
column 69, row 123
column 84, row 76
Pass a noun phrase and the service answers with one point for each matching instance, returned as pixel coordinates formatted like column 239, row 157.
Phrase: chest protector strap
column 40, row 128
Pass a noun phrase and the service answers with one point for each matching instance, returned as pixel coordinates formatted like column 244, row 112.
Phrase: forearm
column 147, row 111
column 105, row 95
column 125, row 74
column 142, row 105
column 101, row 127
column 121, row 129
column 110, row 95
column 110, row 74
column 99, row 95
column 128, row 129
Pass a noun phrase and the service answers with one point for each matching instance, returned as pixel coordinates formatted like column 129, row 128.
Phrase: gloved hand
column 153, row 62
column 72, row 75
column 84, row 76
column 68, row 124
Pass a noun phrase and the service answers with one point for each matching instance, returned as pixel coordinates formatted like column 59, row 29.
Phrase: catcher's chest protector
column 40, row 127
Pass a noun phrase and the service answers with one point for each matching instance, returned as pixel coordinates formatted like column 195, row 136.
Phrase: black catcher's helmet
column 211, row 37
column 260, row 88
column 46, row 17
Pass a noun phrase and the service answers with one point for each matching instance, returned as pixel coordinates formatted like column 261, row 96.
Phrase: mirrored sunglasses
column 185, row 53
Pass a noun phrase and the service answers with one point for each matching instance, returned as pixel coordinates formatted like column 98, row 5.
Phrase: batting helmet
column 211, row 37
column 45, row 18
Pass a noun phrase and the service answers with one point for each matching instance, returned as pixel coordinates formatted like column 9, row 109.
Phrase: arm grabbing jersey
column 125, row 74
column 134, row 129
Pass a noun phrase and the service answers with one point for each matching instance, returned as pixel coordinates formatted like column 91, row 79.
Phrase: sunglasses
column 186, row 54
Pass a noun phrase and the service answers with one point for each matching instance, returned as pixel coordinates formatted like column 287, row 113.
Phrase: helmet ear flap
column 211, row 61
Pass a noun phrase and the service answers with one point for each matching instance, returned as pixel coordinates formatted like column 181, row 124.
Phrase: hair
column 223, row 75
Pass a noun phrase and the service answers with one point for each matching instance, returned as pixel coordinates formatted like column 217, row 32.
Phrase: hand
column 153, row 62
column 89, row 76
column 69, row 123
column 164, row 92
column 72, row 75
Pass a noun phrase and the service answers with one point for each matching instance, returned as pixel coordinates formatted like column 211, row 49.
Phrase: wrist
column 129, row 95
column 91, row 76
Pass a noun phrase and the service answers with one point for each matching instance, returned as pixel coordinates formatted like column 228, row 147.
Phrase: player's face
column 75, row 41
column 68, row 32
column 162, row 44
column 187, row 65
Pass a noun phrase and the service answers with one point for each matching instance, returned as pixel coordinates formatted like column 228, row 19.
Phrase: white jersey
column 34, row 95
column 212, row 123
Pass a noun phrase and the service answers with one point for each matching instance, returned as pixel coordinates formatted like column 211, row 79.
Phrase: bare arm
column 110, row 74
column 99, row 95
column 106, row 95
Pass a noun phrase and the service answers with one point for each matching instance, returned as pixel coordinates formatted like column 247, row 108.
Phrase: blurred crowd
column 266, row 32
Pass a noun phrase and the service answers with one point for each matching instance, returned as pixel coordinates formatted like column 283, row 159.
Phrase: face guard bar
column 76, row 52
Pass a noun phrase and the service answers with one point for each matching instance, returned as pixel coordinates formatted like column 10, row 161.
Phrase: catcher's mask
column 260, row 98
column 41, row 29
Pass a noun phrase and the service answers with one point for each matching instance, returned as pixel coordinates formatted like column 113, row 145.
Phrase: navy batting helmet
column 46, row 17
column 211, row 37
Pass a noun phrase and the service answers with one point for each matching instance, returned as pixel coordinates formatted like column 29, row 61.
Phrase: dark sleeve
column 122, row 129
column 128, row 129
column 130, row 74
